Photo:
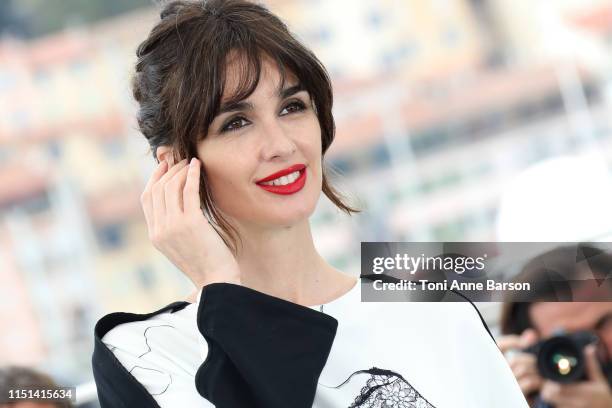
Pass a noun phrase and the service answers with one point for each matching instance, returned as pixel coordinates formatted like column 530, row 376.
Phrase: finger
column 170, row 159
column 593, row 368
column 174, row 193
column 563, row 395
column 568, row 404
column 530, row 383
column 522, row 361
column 524, row 365
column 577, row 388
column 191, row 191
column 551, row 392
column 572, row 402
column 508, row 342
column 528, row 338
column 161, row 168
column 170, row 173
column 159, row 200
column 146, row 199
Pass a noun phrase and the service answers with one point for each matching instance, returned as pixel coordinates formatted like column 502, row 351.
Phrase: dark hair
column 17, row 377
column 564, row 261
column 180, row 78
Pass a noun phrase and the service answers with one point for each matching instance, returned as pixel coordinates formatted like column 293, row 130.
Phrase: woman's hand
column 178, row 228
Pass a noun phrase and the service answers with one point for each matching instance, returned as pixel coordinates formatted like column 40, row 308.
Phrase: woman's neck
column 285, row 263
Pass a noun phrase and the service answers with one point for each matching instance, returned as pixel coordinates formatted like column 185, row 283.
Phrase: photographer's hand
column 593, row 393
column 523, row 365
column 178, row 228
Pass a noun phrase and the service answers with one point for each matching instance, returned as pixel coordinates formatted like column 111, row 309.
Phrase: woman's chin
column 276, row 214
column 287, row 218
column 292, row 219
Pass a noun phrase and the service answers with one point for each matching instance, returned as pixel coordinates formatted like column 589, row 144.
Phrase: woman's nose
column 276, row 140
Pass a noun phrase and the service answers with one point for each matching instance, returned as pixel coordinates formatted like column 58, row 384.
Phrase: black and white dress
column 237, row 347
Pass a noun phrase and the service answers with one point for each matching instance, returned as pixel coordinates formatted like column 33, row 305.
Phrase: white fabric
column 440, row 349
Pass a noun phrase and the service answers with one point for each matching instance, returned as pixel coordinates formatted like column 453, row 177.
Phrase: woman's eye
column 297, row 105
column 237, row 122
column 230, row 125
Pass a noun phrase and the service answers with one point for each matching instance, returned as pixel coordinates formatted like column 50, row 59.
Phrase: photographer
column 14, row 378
column 525, row 324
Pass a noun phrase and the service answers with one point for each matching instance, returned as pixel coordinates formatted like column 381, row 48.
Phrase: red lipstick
column 290, row 188
column 283, row 172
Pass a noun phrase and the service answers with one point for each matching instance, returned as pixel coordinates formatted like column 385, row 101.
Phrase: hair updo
column 179, row 79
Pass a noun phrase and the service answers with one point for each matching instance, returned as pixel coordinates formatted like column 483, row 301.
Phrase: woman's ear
column 165, row 153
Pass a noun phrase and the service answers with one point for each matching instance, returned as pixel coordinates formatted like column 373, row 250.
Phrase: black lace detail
column 387, row 389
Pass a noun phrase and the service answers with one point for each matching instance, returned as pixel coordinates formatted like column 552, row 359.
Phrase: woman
column 238, row 114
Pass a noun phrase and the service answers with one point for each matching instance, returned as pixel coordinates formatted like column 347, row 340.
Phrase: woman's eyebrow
column 243, row 105
column 291, row 90
column 235, row 106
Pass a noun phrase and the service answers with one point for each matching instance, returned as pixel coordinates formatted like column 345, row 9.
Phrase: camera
column 561, row 357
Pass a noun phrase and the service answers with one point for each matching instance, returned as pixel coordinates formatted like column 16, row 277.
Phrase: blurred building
column 72, row 167
column 528, row 32
column 425, row 39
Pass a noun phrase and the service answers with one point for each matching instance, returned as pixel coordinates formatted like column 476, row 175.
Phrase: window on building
column 379, row 156
column 429, row 139
column 324, row 35
column 406, row 50
column 78, row 66
column 54, row 148
column 8, row 80
column 113, row 147
column 37, row 203
column 111, row 236
column 146, row 276
column 374, row 20
column 451, row 37
column 342, row 164
column 42, row 75
column 21, row 119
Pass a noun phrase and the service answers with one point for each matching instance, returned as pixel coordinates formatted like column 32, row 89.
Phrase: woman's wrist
column 202, row 276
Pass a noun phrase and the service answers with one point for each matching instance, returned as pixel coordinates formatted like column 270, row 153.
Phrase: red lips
column 288, row 170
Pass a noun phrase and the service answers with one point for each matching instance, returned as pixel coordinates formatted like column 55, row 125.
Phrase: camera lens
column 563, row 362
column 560, row 359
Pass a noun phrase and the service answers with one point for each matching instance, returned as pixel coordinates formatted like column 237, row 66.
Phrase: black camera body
column 561, row 357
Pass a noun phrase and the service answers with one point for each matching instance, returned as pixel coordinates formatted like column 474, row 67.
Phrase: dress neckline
column 345, row 295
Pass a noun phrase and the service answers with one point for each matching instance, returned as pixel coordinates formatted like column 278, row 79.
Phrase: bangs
column 247, row 64
column 245, row 54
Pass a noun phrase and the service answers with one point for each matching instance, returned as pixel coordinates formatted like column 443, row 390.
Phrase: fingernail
column 193, row 161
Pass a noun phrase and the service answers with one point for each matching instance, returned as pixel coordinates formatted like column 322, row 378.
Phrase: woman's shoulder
column 172, row 329
column 455, row 306
column 149, row 357
column 353, row 311
column 127, row 325
column 112, row 320
column 161, row 350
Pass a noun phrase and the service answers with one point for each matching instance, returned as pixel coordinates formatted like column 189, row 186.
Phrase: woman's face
column 248, row 143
